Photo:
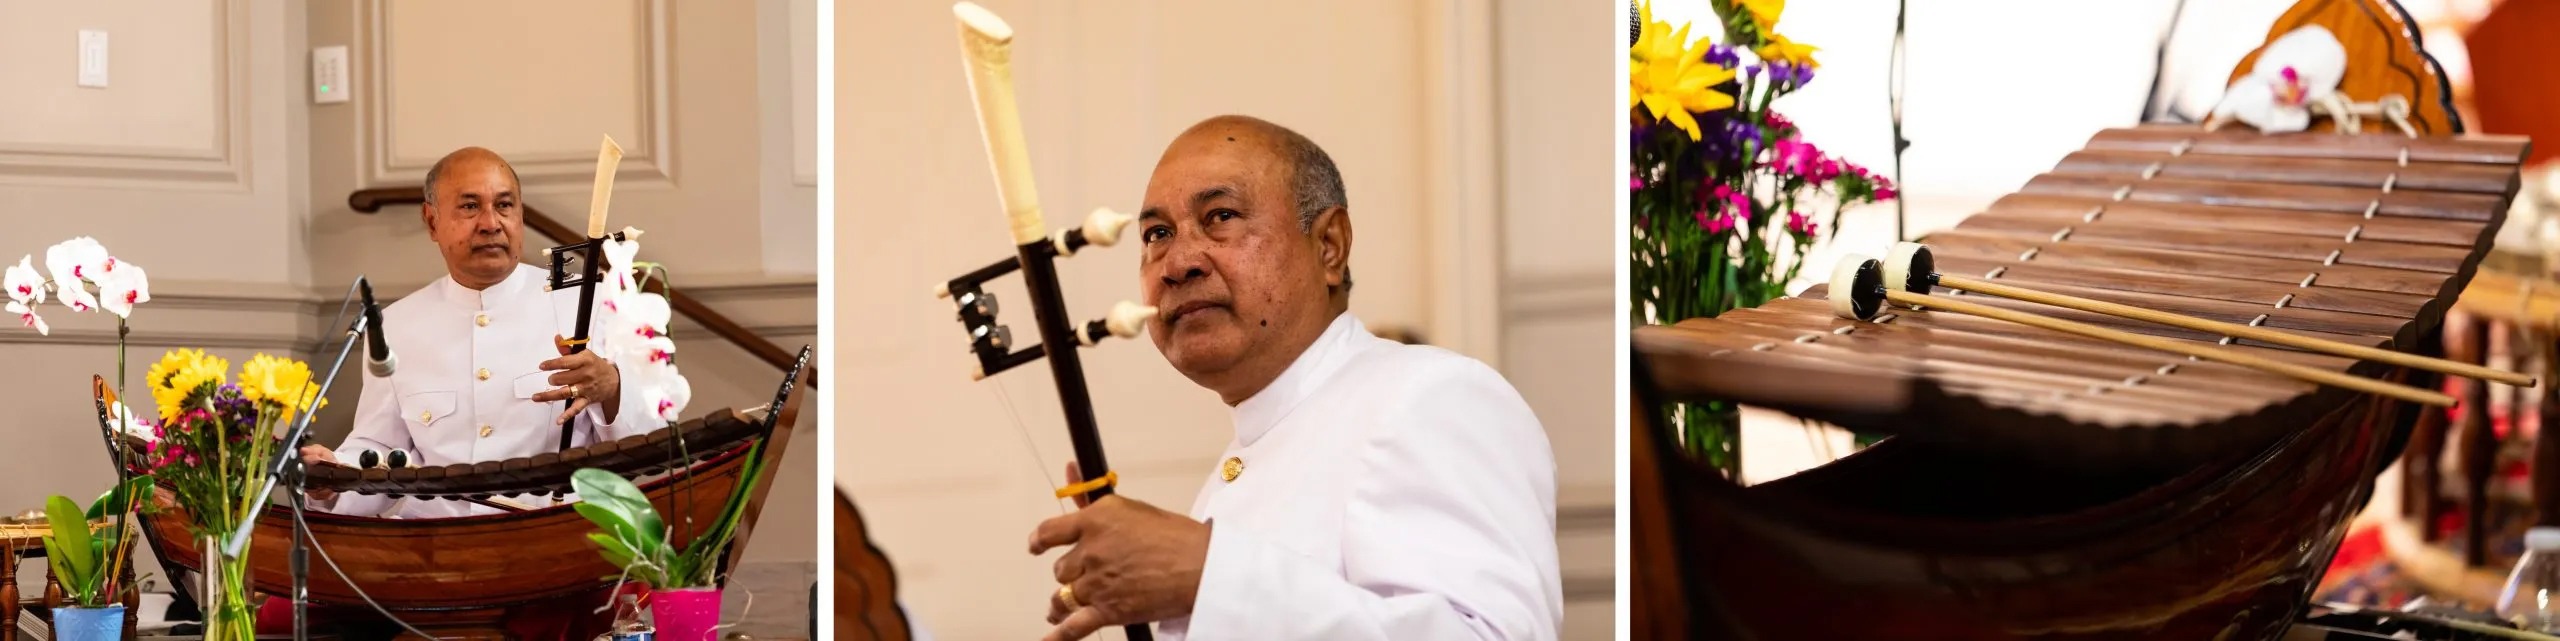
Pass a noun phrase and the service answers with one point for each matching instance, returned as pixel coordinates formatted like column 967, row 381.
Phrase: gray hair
column 1314, row 181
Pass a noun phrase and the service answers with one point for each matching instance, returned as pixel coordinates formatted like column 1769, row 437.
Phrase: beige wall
column 1445, row 170
column 205, row 162
column 187, row 164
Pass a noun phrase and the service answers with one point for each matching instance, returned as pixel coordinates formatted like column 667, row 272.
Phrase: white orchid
column 70, row 268
column 137, row 426
column 632, row 332
column 2294, row 74
column 619, row 259
column 122, row 286
column 68, row 262
column 26, row 291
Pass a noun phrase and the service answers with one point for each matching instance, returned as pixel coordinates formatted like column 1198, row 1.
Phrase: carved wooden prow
column 2384, row 58
column 866, row 605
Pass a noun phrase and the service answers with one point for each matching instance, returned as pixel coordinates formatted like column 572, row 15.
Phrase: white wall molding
column 1462, row 194
column 1553, row 295
column 219, row 163
column 647, row 161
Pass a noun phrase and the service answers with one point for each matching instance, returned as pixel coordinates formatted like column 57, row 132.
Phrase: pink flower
column 1798, row 223
column 1715, row 223
column 1795, row 157
column 1635, row 183
column 1736, row 203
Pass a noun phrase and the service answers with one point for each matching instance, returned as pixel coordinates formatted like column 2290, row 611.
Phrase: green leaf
column 70, row 542
column 615, row 525
column 115, row 500
column 613, row 550
column 54, row 557
column 618, row 494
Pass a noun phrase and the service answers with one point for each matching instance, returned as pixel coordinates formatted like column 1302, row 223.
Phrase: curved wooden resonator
column 2383, row 59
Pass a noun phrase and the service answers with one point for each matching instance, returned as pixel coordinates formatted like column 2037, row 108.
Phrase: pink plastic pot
column 689, row 614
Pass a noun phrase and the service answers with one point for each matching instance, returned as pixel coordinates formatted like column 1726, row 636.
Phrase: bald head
column 471, row 212
column 1248, row 240
column 1315, row 184
column 464, row 156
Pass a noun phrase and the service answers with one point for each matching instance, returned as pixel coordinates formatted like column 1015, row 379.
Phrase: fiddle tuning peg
column 1126, row 320
column 1103, row 226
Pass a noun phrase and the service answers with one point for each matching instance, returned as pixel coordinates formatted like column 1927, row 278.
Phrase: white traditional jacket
column 469, row 365
column 1382, row 491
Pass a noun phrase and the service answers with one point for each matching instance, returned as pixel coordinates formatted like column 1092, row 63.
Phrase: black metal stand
column 288, row 469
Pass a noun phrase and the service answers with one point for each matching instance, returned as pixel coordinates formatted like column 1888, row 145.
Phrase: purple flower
column 1721, row 56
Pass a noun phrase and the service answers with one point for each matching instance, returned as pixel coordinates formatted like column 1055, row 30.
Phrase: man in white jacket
column 1373, row 490
column 481, row 376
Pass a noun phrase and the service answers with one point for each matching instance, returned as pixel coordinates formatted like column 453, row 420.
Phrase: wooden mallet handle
column 2236, row 330
column 2189, row 348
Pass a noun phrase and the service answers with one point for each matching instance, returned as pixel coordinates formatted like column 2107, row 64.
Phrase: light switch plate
column 93, row 58
column 329, row 74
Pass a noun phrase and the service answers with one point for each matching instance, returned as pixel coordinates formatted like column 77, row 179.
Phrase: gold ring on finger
column 1067, row 593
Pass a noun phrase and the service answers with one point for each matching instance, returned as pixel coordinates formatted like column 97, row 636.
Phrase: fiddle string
column 1030, row 446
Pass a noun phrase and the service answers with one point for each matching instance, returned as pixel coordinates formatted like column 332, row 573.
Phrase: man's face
column 1225, row 262
column 475, row 221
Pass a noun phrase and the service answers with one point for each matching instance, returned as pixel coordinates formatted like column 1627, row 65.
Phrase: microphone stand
column 288, row 467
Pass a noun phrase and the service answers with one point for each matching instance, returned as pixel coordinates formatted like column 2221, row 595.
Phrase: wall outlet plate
column 93, row 58
column 329, row 74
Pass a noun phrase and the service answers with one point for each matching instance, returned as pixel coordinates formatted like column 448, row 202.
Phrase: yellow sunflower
column 1780, row 49
column 279, row 382
column 1764, row 15
column 1670, row 78
column 179, row 374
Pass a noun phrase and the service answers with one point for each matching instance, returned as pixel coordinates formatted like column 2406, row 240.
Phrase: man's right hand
column 314, row 455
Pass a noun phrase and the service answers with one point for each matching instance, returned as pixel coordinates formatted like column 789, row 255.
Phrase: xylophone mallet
column 1858, row 292
column 1911, row 267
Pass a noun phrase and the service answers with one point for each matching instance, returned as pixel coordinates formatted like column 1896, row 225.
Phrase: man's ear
column 1333, row 245
column 427, row 214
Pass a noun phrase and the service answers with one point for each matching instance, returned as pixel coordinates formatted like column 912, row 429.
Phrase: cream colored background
column 205, row 162
column 1474, row 139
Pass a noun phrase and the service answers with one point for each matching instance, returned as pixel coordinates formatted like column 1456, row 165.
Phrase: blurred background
column 1475, row 137
column 212, row 158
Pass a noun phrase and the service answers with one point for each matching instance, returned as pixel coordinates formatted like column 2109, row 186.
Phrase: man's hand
column 1131, row 563
column 584, row 379
column 314, row 455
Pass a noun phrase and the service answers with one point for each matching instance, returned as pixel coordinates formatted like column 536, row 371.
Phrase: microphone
column 378, row 357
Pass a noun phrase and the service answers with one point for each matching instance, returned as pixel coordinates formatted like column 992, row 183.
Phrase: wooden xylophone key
column 1859, row 291
column 2057, row 211
column 2272, row 295
column 1910, row 268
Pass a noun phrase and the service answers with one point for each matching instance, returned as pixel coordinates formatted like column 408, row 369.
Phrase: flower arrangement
column 210, row 446
column 1726, row 196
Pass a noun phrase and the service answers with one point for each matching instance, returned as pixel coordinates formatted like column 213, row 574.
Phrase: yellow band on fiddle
column 1107, row 479
column 567, row 342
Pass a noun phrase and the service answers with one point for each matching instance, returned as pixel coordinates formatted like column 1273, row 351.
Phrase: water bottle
column 2532, row 597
